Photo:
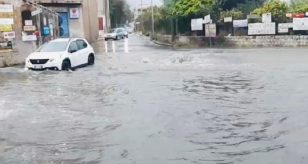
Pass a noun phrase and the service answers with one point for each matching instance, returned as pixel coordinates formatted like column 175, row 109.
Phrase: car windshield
column 54, row 47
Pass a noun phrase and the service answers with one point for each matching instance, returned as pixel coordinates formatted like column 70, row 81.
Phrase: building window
column 26, row 15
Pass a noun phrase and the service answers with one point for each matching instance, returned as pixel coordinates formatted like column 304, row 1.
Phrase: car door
column 84, row 50
column 74, row 54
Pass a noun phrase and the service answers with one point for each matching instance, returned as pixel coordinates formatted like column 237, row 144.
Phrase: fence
column 181, row 26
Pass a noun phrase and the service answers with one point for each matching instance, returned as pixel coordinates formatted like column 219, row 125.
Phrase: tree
column 120, row 13
column 249, row 5
column 229, row 4
column 176, row 15
column 193, row 7
column 299, row 6
column 277, row 8
column 235, row 14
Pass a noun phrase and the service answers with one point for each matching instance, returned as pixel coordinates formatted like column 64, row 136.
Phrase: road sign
column 26, row 38
column 267, row 18
column 37, row 11
column 197, row 24
column 240, row 23
column 28, row 22
column 262, row 29
column 210, row 30
column 228, row 19
column 284, row 27
column 29, row 28
column 9, row 35
column 207, row 19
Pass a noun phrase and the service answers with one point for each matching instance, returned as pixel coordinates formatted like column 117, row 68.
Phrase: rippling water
column 160, row 106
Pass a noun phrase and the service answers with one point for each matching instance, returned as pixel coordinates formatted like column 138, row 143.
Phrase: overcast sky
column 137, row 3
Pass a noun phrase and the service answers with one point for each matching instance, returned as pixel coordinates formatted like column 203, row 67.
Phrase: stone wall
column 267, row 41
column 237, row 41
column 10, row 58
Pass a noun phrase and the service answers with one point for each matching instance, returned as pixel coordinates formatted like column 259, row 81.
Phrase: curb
column 162, row 44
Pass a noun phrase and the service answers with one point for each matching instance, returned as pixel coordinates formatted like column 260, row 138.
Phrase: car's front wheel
column 91, row 59
column 66, row 65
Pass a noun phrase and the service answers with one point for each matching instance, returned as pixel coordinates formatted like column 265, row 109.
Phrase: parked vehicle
column 116, row 34
column 62, row 54
column 130, row 30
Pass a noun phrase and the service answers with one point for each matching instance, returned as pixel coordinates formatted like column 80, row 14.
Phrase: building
column 103, row 16
column 26, row 24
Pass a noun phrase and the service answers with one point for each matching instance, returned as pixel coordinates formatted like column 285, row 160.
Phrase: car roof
column 66, row 39
column 61, row 40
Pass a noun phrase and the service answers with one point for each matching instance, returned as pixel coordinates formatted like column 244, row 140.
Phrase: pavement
column 158, row 105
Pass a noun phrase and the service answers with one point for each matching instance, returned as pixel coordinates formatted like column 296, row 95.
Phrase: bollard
column 34, row 46
column 113, row 47
column 126, row 45
column 106, row 46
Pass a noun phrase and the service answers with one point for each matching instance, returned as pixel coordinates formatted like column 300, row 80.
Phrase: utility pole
column 153, row 21
column 141, row 16
column 107, row 13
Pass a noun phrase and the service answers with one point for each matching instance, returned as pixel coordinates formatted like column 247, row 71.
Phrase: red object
column 37, row 34
column 301, row 15
column 101, row 23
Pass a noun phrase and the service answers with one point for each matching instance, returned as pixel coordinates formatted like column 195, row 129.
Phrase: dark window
column 54, row 47
column 73, row 47
column 26, row 15
column 82, row 44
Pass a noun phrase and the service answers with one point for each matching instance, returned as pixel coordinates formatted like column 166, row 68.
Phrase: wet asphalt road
column 160, row 106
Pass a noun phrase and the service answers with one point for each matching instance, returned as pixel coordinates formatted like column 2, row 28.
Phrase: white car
column 62, row 54
column 116, row 34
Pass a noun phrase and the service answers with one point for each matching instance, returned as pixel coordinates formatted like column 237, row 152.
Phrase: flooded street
column 156, row 105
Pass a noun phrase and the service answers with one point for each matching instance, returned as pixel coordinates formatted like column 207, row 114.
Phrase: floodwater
column 156, row 105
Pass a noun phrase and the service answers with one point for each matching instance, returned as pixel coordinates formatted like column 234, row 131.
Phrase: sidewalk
column 155, row 41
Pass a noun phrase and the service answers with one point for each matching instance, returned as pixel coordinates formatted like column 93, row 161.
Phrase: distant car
column 116, row 34
column 130, row 30
column 62, row 54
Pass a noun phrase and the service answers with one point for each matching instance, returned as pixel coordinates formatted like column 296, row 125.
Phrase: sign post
column 36, row 12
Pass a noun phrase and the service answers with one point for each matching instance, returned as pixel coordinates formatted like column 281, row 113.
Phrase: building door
column 63, row 25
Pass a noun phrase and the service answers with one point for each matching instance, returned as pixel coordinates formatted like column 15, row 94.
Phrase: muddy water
column 157, row 105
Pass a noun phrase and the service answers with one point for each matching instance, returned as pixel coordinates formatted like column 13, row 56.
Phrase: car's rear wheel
column 91, row 59
column 66, row 65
